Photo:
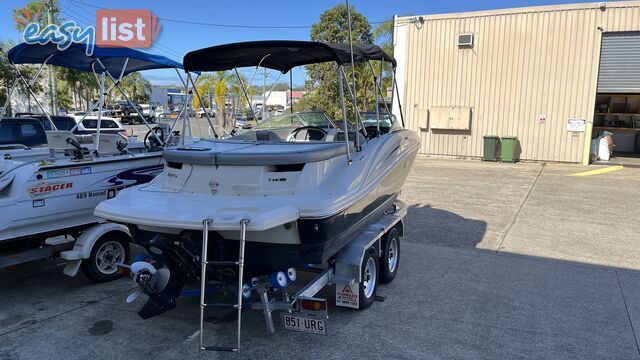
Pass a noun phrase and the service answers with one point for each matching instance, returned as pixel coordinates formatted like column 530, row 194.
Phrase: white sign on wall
column 576, row 125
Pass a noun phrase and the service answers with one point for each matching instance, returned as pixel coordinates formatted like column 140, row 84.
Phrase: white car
column 201, row 114
column 90, row 124
column 148, row 112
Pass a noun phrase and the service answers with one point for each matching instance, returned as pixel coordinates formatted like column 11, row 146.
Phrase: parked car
column 61, row 122
column 201, row 113
column 107, row 125
column 125, row 108
column 22, row 131
column 148, row 112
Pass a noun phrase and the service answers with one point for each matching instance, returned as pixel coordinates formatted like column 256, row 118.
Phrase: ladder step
column 219, row 348
column 223, row 305
column 222, row 263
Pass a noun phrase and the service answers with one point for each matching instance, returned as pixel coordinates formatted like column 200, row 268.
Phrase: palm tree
column 136, row 87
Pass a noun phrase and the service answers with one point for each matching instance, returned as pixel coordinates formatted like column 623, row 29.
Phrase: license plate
column 304, row 324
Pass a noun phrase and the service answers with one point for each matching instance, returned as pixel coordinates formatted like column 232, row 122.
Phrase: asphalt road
column 498, row 261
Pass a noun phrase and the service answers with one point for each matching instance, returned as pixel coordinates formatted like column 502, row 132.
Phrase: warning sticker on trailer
column 347, row 295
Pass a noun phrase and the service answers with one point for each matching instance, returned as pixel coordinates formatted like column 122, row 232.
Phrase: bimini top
column 76, row 58
column 279, row 55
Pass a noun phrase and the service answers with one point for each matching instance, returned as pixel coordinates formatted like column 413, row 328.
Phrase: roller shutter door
column 620, row 63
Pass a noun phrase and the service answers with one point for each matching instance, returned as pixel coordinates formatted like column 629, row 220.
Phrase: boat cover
column 75, row 57
column 282, row 55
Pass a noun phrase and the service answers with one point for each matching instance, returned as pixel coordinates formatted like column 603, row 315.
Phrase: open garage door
column 620, row 63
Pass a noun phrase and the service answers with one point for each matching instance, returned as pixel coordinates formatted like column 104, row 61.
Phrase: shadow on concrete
column 428, row 225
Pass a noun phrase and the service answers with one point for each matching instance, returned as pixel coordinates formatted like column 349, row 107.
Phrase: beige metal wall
column 525, row 62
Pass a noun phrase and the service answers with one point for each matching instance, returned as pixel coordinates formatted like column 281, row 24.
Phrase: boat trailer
column 353, row 272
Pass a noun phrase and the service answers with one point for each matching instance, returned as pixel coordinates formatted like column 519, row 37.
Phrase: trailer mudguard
column 82, row 247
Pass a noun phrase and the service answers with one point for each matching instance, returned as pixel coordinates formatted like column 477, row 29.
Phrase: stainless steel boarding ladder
column 203, row 282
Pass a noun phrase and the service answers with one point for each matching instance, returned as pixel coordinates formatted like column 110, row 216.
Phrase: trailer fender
column 82, row 247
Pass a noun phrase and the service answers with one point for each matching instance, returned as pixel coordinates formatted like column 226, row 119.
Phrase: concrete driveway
column 499, row 261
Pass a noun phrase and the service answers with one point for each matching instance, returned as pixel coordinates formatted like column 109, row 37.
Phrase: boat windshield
column 296, row 120
column 370, row 119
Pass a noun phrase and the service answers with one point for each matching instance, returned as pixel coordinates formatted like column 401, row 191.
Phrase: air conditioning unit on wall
column 465, row 40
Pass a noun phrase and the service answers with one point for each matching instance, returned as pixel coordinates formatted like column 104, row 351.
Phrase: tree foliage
column 323, row 79
column 34, row 11
column 137, row 87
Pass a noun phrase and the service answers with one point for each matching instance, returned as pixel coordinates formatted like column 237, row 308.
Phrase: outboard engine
column 160, row 285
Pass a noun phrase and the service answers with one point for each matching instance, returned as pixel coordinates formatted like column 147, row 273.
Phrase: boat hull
column 318, row 238
column 49, row 199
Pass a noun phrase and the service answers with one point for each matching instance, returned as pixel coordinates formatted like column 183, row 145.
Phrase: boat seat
column 111, row 144
column 85, row 139
column 57, row 140
column 352, row 137
column 260, row 135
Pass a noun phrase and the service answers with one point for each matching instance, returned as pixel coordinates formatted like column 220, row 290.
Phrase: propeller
column 148, row 279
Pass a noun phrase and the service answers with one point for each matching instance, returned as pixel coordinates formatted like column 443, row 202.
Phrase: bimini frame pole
column 344, row 114
column 379, row 88
column 353, row 75
column 204, row 108
column 26, row 84
column 122, row 92
column 355, row 109
column 6, row 102
column 183, row 108
column 15, row 83
column 270, row 91
column 397, row 91
column 243, row 89
column 93, row 106
column 96, row 146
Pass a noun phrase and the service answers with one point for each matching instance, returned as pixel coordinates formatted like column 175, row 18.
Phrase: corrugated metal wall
column 525, row 62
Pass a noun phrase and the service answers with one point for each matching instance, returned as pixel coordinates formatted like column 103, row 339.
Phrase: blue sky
column 178, row 38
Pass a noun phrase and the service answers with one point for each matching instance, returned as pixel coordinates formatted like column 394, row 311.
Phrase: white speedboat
column 53, row 189
column 301, row 187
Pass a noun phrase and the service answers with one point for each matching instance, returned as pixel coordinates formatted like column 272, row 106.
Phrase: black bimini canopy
column 282, row 55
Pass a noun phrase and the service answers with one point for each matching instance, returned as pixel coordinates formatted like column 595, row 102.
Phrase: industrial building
column 554, row 76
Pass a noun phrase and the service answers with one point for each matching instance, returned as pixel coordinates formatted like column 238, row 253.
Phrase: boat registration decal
column 47, row 188
column 38, row 203
column 347, row 295
column 91, row 194
column 54, row 174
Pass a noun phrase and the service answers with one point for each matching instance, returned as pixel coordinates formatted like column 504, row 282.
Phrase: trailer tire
column 390, row 257
column 369, row 284
column 109, row 249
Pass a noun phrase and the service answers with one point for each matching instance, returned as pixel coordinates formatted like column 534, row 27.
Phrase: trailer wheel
column 390, row 259
column 369, row 283
column 110, row 249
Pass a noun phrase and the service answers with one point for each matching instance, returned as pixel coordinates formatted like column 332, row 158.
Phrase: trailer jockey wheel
column 152, row 141
column 109, row 250
column 369, row 282
column 390, row 259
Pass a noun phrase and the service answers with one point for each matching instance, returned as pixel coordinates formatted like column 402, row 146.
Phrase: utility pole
column 53, row 87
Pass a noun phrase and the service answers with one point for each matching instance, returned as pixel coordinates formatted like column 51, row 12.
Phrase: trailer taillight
column 314, row 305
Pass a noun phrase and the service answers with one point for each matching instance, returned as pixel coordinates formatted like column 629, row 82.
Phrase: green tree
column 34, row 11
column 137, row 87
column 333, row 27
column 218, row 84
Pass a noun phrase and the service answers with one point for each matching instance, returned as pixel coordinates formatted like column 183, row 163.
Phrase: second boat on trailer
column 44, row 194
